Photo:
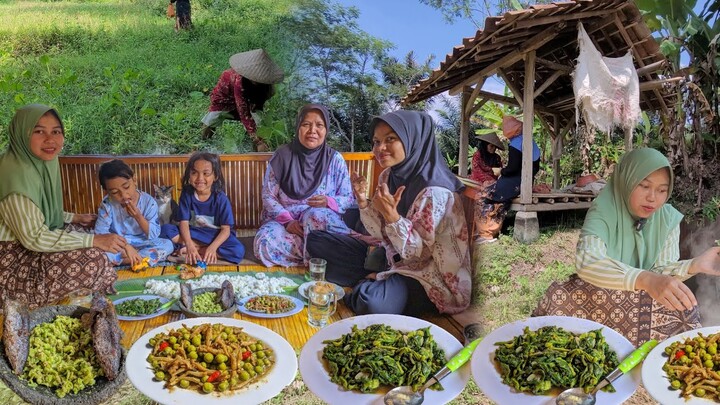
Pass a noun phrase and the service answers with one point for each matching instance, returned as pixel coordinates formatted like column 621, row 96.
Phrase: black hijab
column 423, row 166
column 300, row 170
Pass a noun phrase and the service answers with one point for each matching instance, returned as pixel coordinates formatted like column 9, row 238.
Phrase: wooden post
column 628, row 139
column 557, row 147
column 464, row 129
column 528, row 118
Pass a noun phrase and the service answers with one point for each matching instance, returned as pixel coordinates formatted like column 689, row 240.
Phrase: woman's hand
column 708, row 262
column 192, row 254
column 318, row 201
column 295, row 228
column 496, row 171
column 360, row 189
column 669, row 291
column 109, row 242
column 210, row 254
column 132, row 255
column 386, row 203
column 86, row 220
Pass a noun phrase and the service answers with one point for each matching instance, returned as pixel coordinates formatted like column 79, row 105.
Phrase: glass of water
column 322, row 303
column 317, row 269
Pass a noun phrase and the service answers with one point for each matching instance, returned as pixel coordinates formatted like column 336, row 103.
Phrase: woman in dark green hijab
column 42, row 260
column 627, row 258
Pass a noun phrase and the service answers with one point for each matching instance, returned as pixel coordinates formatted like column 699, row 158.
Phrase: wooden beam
column 653, row 67
column 473, row 96
column 464, row 129
column 529, row 46
column 528, row 118
column 557, row 146
column 513, row 88
column 511, row 101
column 555, row 66
column 477, row 106
column 657, row 84
column 534, row 22
column 548, row 82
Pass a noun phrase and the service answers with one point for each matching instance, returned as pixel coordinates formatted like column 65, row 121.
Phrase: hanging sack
column 170, row 11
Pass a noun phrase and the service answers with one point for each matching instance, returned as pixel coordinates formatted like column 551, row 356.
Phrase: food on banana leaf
column 380, row 356
column 553, row 358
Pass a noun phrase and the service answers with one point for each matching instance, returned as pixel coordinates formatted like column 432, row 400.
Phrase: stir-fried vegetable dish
column 206, row 303
column 551, row 357
column 137, row 307
column 379, row 355
column 269, row 304
column 61, row 357
column 693, row 367
column 209, row 358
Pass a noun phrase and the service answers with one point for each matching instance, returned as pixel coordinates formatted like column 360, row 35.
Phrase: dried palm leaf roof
column 551, row 30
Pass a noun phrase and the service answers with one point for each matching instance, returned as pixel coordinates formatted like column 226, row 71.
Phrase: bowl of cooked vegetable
column 200, row 302
column 86, row 363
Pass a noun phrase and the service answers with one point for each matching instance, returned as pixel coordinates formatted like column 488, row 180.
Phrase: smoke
column 708, row 287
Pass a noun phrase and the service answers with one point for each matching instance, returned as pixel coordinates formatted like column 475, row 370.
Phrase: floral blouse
column 429, row 245
column 277, row 206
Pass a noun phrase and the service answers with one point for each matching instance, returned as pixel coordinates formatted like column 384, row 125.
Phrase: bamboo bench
column 243, row 177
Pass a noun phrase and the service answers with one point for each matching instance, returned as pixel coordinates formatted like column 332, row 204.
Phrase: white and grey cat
column 167, row 207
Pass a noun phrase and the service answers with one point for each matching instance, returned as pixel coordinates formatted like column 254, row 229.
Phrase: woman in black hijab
column 306, row 187
column 417, row 215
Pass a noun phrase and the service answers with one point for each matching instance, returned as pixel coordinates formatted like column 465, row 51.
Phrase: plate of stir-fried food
column 685, row 369
column 211, row 361
column 270, row 306
column 357, row 360
column 531, row 361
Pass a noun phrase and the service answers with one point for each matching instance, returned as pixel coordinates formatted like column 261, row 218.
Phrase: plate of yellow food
column 685, row 369
column 532, row 360
column 211, row 361
column 270, row 306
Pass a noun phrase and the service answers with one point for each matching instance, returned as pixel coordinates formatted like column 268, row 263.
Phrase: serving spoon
column 577, row 396
column 405, row 395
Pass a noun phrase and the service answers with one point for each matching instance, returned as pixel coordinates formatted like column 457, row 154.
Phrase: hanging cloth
column 607, row 90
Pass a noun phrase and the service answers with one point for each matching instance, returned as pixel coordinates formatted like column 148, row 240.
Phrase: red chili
column 214, row 376
column 163, row 345
column 246, row 355
column 679, row 354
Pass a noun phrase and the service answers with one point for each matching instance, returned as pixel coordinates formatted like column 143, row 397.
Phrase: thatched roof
column 614, row 26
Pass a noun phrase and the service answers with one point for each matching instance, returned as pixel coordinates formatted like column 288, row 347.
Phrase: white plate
column 299, row 305
column 488, row 379
column 317, row 379
column 656, row 381
column 304, row 287
column 282, row 373
column 163, row 300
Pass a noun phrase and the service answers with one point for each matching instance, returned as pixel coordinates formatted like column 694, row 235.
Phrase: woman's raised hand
column 667, row 290
column 360, row 189
column 109, row 242
column 386, row 203
column 318, row 201
column 295, row 228
column 708, row 262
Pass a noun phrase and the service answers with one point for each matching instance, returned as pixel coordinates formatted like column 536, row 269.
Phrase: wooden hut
column 534, row 52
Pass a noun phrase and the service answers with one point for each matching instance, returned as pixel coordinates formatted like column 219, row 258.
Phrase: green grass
column 123, row 80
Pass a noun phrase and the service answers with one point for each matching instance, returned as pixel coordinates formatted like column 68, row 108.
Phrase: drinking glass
column 322, row 303
column 317, row 269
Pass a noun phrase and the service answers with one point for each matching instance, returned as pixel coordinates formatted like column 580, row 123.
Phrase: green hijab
column 23, row 173
column 609, row 217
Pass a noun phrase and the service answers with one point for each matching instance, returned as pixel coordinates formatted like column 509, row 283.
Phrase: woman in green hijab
column 42, row 260
column 627, row 258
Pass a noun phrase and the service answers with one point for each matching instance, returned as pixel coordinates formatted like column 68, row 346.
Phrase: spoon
column 406, row 396
column 577, row 396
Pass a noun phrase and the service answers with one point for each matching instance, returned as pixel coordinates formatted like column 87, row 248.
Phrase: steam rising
column 708, row 290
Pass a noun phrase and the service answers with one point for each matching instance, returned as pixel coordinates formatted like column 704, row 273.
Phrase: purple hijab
column 423, row 166
column 300, row 170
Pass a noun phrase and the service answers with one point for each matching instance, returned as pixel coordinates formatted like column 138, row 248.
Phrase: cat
column 167, row 207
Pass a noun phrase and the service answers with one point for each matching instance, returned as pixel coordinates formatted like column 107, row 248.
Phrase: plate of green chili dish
column 140, row 307
column 407, row 340
column 531, row 361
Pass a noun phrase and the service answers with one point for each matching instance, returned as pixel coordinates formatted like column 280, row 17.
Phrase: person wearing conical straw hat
column 241, row 91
